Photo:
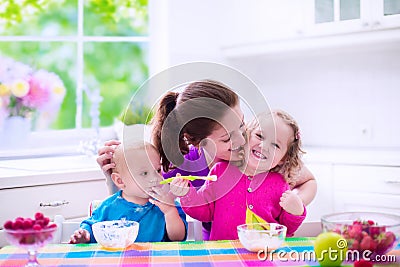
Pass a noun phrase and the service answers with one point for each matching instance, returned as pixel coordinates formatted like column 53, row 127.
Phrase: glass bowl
column 373, row 231
column 30, row 240
column 116, row 234
column 261, row 236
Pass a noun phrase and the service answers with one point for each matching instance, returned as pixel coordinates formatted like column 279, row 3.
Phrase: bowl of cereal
column 117, row 234
column 261, row 236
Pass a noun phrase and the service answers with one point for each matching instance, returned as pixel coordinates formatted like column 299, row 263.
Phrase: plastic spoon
column 191, row 178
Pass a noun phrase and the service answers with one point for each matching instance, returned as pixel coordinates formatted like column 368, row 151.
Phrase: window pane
column 115, row 18
column 52, row 57
column 349, row 9
column 50, row 18
column 324, row 11
column 392, row 7
column 118, row 69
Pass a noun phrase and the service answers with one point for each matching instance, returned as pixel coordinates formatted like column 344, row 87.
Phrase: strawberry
column 27, row 224
column 39, row 216
column 46, row 221
column 17, row 225
column 37, row 227
column 355, row 232
column 368, row 243
column 8, row 225
column 355, row 245
column 375, row 231
column 363, row 263
column 52, row 225
column 386, row 242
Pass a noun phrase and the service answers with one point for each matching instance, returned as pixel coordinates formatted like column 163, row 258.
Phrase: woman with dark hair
column 198, row 127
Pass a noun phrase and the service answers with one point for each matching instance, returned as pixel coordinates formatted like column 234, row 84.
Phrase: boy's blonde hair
column 292, row 160
column 124, row 151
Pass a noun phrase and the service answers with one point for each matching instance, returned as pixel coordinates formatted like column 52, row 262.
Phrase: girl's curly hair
column 292, row 162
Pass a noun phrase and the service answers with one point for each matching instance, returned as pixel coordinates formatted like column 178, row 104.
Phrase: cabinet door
column 386, row 14
column 337, row 16
column 70, row 200
column 354, row 201
column 260, row 21
column 323, row 202
column 367, row 188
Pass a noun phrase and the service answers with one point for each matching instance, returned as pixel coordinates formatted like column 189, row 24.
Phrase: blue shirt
column 152, row 226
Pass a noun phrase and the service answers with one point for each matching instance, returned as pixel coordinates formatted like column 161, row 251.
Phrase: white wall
column 345, row 97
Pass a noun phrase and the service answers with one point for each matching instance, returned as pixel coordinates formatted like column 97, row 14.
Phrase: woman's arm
column 104, row 160
column 306, row 185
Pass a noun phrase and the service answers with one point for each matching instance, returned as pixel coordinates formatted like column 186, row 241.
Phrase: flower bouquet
column 25, row 91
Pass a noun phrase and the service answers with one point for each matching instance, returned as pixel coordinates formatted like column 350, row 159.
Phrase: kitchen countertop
column 63, row 169
column 360, row 156
column 48, row 170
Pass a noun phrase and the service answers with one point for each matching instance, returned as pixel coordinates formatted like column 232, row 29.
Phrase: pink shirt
column 224, row 201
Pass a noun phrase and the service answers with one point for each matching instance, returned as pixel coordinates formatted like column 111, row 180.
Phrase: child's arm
column 179, row 187
column 292, row 203
column 80, row 236
column 306, row 186
column 175, row 226
column 293, row 213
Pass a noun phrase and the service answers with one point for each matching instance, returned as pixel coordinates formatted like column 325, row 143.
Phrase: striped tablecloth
column 210, row 253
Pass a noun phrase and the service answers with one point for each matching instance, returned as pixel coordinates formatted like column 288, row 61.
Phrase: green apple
column 330, row 249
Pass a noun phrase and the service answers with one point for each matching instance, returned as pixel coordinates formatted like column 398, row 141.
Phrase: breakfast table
column 294, row 252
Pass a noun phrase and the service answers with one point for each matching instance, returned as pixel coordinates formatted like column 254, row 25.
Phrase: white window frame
column 79, row 40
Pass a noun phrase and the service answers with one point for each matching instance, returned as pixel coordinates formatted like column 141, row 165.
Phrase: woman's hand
column 291, row 203
column 80, row 236
column 105, row 154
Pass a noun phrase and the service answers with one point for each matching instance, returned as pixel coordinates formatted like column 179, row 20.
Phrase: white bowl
column 116, row 234
column 262, row 236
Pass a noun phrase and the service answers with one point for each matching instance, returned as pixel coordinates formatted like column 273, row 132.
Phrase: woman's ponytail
column 165, row 107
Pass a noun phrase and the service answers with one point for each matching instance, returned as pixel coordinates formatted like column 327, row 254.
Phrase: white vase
column 15, row 133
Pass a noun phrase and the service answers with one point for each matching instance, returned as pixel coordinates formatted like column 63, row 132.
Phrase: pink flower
column 24, row 91
column 38, row 94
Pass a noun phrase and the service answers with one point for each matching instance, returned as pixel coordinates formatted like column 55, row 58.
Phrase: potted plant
column 134, row 122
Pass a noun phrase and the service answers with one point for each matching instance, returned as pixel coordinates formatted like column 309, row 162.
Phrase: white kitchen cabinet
column 258, row 21
column 323, row 202
column 328, row 17
column 366, row 188
column 56, row 185
column 275, row 27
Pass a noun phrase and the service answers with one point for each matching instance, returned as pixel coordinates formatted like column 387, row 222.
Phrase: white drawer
column 353, row 201
column 372, row 179
column 25, row 201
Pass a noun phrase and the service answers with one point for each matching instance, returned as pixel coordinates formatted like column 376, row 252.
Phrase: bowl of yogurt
column 261, row 236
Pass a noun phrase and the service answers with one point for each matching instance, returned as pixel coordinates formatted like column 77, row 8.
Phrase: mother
column 204, row 123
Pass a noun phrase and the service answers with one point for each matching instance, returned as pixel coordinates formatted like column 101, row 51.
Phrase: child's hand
column 162, row 198
column 291, row 203
column 80, row 236
column 179, row 187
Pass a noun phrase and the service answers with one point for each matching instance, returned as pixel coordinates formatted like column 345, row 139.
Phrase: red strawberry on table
column 363, row 263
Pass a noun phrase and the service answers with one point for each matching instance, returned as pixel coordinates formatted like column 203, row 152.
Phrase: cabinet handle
column 377, row 24
column 54, row 203
column 365, row 24
column 392, row 181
